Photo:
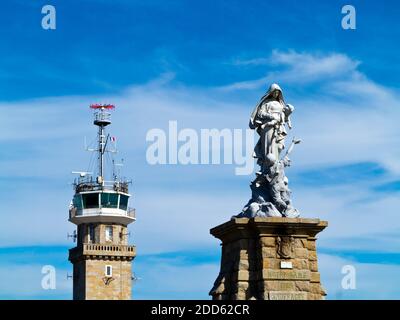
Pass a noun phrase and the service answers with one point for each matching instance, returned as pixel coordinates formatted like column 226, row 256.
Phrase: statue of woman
column 270, row 193
column 269, row 119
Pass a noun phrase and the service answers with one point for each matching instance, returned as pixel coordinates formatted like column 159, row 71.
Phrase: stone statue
column 270, row 191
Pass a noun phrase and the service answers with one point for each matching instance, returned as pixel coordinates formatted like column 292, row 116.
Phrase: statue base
column 268, row 259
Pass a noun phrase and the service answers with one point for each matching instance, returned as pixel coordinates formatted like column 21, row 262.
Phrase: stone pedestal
column 268, row 259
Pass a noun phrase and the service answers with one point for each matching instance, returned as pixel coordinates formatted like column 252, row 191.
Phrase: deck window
column 77, row 201
column 90, row 200
column 109, row 200
column 123, row 202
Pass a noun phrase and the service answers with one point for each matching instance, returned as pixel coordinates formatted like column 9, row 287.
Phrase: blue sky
column 205, row 65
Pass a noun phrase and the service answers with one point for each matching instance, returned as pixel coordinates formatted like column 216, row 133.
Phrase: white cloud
column 251, row 62
column 297, row 68
column 246, row 85
column 357, row 221
column 309, row 67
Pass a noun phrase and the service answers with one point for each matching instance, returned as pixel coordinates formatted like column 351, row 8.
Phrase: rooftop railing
column 89, row 184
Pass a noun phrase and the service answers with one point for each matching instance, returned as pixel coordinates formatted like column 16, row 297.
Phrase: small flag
column 113, row 139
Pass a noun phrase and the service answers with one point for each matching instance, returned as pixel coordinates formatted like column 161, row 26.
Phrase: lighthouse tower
column 102, row 257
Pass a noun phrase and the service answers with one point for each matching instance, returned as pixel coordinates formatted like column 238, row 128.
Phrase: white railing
column 107, row 247
column 131, row 213
column 99, row 249
column 75, row 212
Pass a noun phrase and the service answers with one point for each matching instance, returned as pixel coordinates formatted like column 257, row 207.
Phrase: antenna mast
column 102, row 118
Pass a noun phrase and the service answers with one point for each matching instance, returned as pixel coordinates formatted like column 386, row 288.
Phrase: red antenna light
column 102, row 106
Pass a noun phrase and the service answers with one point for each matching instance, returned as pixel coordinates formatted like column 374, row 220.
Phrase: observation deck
column 105, row 202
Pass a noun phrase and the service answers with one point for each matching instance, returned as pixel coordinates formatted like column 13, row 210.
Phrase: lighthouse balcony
column 125, row 252
column 102, row 215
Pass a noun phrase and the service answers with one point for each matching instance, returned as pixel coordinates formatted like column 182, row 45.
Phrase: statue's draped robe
column 269, row 119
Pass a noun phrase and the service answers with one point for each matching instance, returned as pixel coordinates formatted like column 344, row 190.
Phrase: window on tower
column 90, row 200
column 109, row 200
column 108, row 271
column 123, row 202
column 109, row 233
column 91, row 233
column 77, row 201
